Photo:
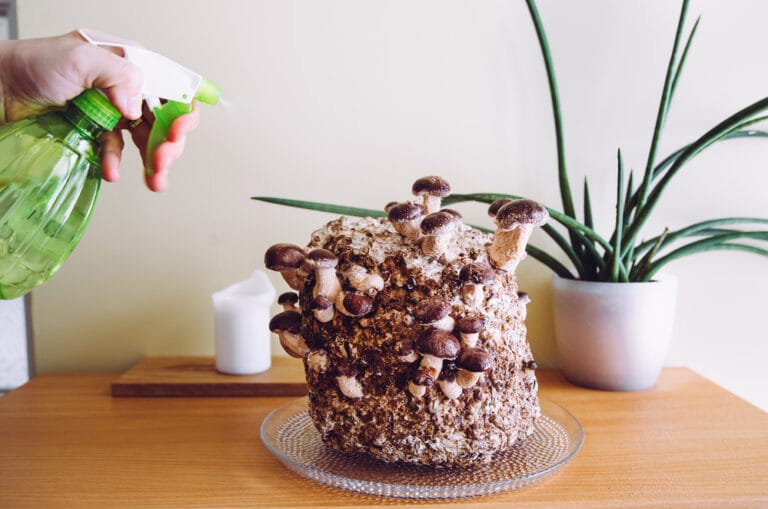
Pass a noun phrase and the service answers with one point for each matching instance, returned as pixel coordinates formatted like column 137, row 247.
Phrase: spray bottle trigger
column 164, row 117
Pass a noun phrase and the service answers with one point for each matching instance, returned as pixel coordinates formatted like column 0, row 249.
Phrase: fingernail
column 133, row 105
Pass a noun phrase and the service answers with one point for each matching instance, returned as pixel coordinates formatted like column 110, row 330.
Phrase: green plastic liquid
column 49, row 181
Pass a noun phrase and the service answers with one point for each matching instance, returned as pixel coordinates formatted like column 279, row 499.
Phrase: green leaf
column 616, row 258
column 666, row 98
column 697, row 229
column 684, row 56
column 322, row 207
column 718, row 242
column 738, row 132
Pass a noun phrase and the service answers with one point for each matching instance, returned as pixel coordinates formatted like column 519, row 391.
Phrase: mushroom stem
column 446, row 323
column 431, row 365
column 508, row 247
column 435, row 245
column 409, row 229
column 317, row 361
column 349, row 386
column 469, row 339
column 293, row 344
column 326, row 283
column 362, row 280
column 416, row 390
column 472, row 294
column 324, row 315
column 432, row 203
column 450, row 388
column 467, row 379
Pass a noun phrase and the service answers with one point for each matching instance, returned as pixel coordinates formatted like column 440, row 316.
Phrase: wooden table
column 65, row 442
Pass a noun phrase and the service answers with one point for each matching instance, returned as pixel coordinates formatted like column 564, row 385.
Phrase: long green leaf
column 562, row 170
column 737, row 132
column 701, row 246
column 321, row 207
column 567, row 249
column 616, row 259
column 679, row 70
column 589, row 264
column 701, row 228
column 666, row 97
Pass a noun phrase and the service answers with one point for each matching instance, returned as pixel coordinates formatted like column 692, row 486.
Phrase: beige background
column 350, row 100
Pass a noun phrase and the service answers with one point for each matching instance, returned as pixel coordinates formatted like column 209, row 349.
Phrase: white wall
column 349, row 100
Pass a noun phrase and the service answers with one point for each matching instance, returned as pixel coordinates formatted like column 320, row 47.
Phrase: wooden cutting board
column 197, row 376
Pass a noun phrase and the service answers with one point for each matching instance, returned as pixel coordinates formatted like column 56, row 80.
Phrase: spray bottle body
column 50, row 175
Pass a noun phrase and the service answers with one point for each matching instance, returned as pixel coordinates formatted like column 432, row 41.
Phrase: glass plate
column 289, row 434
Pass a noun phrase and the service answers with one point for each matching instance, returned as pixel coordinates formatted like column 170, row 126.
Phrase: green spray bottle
column 50, row 171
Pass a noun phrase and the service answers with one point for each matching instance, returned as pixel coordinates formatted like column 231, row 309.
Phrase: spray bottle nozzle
column 208, row 93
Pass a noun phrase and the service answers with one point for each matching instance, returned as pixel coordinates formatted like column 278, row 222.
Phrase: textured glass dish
column 289, row 434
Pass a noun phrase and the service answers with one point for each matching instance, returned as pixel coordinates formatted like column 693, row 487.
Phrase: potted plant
column 613, row 307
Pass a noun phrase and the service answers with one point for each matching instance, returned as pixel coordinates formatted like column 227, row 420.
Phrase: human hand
column 37, row 75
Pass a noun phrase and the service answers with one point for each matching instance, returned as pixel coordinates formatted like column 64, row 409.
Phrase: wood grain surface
column 197, row 376
column 66, row 442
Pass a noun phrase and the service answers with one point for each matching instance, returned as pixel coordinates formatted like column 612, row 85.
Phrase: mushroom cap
column 475, row 360
column 494, row 207
column 323, row 259
column 477, row 273
column 431, row 310
column 358, row 304
column 438, row 223
column 322, row 302
column 438, row 343
column 288, row 321
column 433, row 186
column 521, row 212
column 421, row 377
column 406, row 211
column 470, row 324
column 283, row 256
column 288, row 298
column 523, row 297
column 389, row 205
column 455, row 213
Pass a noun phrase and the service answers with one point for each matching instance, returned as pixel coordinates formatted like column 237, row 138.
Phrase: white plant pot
column 614, row 336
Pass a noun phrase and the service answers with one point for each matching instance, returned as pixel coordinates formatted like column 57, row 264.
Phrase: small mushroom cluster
column 451, row 363
column 433, row 228
column 446, row 346
column 327, row 297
